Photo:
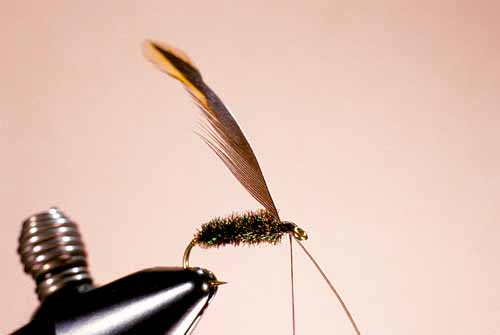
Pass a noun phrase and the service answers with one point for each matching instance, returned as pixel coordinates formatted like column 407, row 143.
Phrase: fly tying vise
column 223, row 135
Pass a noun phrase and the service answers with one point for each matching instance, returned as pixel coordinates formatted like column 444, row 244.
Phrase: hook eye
column 299, row 233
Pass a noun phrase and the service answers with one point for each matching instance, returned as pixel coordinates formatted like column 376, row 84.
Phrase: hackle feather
column 220, row 130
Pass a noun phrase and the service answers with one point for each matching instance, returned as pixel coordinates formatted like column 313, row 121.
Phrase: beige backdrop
column 376, row 124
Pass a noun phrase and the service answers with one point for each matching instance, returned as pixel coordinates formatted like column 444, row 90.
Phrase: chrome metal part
column 52, row 252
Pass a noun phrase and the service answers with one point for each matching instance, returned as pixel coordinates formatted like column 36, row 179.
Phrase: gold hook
column 185, row 264
column 187, row 252
column 217, row 283
column 299, row 233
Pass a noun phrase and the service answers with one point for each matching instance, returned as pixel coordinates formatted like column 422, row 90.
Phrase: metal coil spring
column 52, row 252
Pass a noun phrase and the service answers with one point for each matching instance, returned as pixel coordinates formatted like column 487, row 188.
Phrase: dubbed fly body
column 223, row 135
column 251, row 228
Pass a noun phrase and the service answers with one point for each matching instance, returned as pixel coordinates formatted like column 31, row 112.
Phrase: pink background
column 376, row 124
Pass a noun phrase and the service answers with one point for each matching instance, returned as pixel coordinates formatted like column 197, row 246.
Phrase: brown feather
column 220, row 131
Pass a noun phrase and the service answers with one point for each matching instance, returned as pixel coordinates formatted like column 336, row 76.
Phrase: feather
column 220, row 130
